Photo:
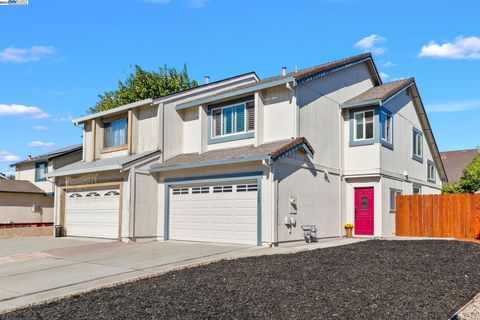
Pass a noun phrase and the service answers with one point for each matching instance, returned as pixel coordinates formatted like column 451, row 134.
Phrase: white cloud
column 8, row 157
column 388, row 64
column 384, row 75
column 23, row 111
column 62, row 118
column 40, row 144
column 19, row 55
column 40, row 128
column 370, row 43
column 459, row 48
column 453, row 106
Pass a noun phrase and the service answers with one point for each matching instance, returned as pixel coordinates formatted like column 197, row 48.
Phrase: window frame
column 415, row 156
column 124, row 146
column 416, row 186
column 385, row 115
column 431, row 164
column 393, row 195
column 43, row 164
column 355, row 139
column 245, row 134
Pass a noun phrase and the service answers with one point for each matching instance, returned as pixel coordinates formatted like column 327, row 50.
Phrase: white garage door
column 93, row 213
column 215, row 213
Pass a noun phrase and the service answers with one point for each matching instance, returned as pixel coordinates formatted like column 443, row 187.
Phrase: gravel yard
column 367, row 280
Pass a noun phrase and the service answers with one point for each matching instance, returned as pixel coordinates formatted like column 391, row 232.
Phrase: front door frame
column 372, row 188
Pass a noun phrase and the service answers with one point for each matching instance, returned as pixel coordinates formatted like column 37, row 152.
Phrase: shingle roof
column 115, row 163
column 271, row 150
column 19, row 186
column 50, row 155
column 298, row 75
column 381, row 92
column 455, row 161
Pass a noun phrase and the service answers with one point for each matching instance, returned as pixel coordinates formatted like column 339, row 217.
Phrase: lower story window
column 393, row 199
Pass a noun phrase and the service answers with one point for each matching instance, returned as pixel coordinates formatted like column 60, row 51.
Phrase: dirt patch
column 367, row 280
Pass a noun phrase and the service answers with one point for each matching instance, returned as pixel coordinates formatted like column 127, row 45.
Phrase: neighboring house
column 23, row 202
column 29, row 198
column 244, row 160
column 35, row 169
column 2, row 176
column 456, row 161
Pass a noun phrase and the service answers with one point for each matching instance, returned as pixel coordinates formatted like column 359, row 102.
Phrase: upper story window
column 363, row 125
column 417, row 145
column 41, row 169
column 387, row 127
column 233, row 119
column 232, row 122
column 115, row 133
column 431, row 171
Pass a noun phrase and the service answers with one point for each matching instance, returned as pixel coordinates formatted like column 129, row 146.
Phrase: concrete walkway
column 36, row 270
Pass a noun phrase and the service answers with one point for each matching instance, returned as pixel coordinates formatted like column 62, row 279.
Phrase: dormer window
column 231, row 122
column 115, row 133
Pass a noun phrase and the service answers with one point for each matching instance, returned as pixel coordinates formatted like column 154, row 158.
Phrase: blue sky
column 56, row 56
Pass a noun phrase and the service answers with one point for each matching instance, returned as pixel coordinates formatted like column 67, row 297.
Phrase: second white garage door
column 215, row 213
column 93, row 213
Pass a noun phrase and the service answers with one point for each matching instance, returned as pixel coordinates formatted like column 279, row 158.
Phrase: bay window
column 387, row 128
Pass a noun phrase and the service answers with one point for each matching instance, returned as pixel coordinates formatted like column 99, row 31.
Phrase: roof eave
column 113, row 111
column 235, row 93
column 55, row 174
column 359, row 104
column 209, row 163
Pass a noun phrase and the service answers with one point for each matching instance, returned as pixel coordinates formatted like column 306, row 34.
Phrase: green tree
column 469, row 182
column 143, row 84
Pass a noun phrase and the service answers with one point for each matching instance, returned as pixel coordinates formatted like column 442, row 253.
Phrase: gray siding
column 320, row 117
column 146, row 210
column 317, row 195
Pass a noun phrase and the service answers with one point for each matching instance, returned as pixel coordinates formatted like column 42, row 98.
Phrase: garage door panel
column 93, row 213
column 222, row 216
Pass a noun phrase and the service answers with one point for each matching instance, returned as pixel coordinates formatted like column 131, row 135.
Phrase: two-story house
column 249, row 161
column 35, row 169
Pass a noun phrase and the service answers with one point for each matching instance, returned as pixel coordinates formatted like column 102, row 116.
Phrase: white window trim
column 420, row 140
column 364, row 125
column 393, row 190
column 434, row 172
column 382, row 124
column 212, row 124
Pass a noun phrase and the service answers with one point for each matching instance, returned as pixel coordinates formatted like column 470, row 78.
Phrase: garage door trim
column 115, row 185
column 215, row 179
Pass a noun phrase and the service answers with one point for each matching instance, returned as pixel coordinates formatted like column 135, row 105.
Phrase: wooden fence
column 446, row 215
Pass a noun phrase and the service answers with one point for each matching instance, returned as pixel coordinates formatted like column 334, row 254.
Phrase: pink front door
column 364, row 211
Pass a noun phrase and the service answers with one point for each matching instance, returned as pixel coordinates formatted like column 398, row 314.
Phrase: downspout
column 132, row 201
column 340, row 167
column 273, row 201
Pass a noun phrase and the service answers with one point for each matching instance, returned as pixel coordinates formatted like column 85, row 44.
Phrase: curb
column 470, row 311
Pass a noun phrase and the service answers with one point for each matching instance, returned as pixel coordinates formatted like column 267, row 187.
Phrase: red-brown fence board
column 446, row 215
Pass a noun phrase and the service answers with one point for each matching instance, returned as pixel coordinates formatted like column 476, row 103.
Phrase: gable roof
column 380, row 94
column 19, row 186
column 298, row 77
column 455, row 161
column 157, row 99
column 51, row 155
column 271, row 151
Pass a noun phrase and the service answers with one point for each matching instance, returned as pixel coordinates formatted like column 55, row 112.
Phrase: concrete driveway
column 38, row 269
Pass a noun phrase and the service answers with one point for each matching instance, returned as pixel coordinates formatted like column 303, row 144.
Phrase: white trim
column 364, row 125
